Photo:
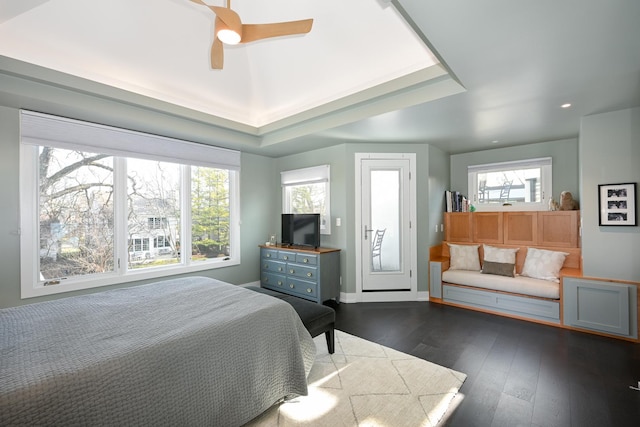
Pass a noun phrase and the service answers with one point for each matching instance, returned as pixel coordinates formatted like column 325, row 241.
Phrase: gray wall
column 563, row 152
column 257, row 201
column 608, row 251
column 342, row 161
column 334, row 156
column 439, row 179
column 609, row 154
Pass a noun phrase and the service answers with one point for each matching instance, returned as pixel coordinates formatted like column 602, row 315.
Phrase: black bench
column 317, row 318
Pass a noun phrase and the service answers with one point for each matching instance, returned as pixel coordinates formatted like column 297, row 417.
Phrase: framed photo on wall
column 617, row 204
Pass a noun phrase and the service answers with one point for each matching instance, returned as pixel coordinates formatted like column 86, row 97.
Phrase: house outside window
column 95, row 219
column 522, row 185
column 308, row 190
column 156, row 223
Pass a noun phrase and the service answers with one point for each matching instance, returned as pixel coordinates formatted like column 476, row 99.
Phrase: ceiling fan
column 230, row 30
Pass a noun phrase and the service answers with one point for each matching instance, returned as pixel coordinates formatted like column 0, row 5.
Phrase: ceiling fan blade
column 253, row 32
column 230, row 18
column 217, row 54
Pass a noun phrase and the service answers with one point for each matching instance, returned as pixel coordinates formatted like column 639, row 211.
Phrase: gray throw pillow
column 498, row 268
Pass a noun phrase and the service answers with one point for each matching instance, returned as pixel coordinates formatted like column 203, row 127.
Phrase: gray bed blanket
column 190, row 351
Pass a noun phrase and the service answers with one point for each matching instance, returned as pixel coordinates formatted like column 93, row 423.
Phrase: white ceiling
column 363, row 74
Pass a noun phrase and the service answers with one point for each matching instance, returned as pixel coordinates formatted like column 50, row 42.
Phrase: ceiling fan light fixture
column 228, row 36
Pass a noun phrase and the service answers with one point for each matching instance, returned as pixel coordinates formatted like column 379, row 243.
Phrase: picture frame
column 617, row 204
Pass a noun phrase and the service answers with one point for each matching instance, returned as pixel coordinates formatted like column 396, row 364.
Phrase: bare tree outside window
column 153, row 195
column 76, row 213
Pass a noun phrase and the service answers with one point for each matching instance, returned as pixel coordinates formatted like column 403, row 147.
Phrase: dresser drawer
column 275, row 281
column 269, row 253
column 307, row 259
column 302, row 287
column 303, row 271
column 287, row 256
column 273, row 266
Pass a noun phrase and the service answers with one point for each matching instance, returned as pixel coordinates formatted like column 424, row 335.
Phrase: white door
column 386, row 239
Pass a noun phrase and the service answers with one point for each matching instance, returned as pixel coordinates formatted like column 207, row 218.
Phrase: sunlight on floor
column 311, row 407
column 315, row 405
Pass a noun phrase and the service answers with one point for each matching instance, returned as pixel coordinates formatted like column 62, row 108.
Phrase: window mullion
column 185, row 215
column 121, row 249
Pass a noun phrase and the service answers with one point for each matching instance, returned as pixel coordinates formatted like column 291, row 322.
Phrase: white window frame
column 312, row 175
column 45, row 130
column 546, row 184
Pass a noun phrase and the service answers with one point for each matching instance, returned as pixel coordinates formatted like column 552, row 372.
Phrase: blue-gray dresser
column 312, row 274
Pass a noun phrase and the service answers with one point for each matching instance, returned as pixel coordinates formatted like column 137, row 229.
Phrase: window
column 92, row 218
column 162, row 242
column 139, row 245
column 525, row 184
column 157, row 223
column 308, row 191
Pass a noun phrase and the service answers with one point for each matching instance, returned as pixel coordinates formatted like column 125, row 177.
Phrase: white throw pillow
column 501, row 261
column 464, row 257
column 543, row 264
column 504, row 255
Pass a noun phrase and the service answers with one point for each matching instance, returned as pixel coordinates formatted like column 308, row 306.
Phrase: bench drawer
column 533, row 308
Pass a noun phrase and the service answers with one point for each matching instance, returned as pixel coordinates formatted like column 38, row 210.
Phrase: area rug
column 366, row 384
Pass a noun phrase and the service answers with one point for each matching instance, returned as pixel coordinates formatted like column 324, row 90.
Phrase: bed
column 188, row 351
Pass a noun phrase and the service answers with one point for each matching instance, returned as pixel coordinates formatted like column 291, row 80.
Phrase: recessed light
column 495, row 141
column 567, row 105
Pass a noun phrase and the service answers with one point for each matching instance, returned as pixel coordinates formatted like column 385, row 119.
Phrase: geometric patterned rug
column 367, row 384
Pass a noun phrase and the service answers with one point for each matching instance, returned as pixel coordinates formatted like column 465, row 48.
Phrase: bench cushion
column 316, row 318
column 518, row 285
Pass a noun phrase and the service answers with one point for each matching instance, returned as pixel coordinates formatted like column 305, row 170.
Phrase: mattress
column 188, row 351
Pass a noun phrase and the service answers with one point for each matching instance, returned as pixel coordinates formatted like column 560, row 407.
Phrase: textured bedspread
column 191, row 351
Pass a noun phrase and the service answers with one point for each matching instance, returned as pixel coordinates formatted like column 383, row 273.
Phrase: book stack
column 456, row 202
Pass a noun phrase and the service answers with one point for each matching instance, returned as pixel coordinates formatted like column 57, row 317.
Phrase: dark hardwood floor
column 518, row 373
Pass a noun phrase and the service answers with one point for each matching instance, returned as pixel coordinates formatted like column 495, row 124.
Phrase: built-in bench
column 522, row 297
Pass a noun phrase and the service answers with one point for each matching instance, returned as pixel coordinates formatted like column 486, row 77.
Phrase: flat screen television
column 301, row 230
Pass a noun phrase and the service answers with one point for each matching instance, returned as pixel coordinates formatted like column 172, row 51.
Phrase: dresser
column 312, row 274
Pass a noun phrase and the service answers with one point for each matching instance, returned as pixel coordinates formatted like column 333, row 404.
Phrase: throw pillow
column 543, row 264
column 464, row 257
column 500, row 261
column 508, row 255
column 499, row 268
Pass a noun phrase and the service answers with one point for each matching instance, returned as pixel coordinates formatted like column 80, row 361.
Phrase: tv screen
column 301, row 229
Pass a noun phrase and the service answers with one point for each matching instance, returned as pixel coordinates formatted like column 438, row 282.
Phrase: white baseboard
column 349, row 298
column 244, row 285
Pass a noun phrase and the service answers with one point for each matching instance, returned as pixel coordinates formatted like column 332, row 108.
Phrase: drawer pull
column 291, row 286
column 309, row 274
column 279, row 282
column 306, row 260
column 266, row 266
column 291, row 271
column 266, row 279
column 279, row 268
column 309, row 290
column 268, row 255
column 286, row 257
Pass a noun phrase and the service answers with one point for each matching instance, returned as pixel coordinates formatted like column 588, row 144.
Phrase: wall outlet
column 338, row 222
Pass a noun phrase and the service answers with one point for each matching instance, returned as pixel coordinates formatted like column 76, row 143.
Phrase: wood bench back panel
column 573, row 260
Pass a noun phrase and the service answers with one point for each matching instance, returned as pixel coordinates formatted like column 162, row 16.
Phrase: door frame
column 386, row 296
